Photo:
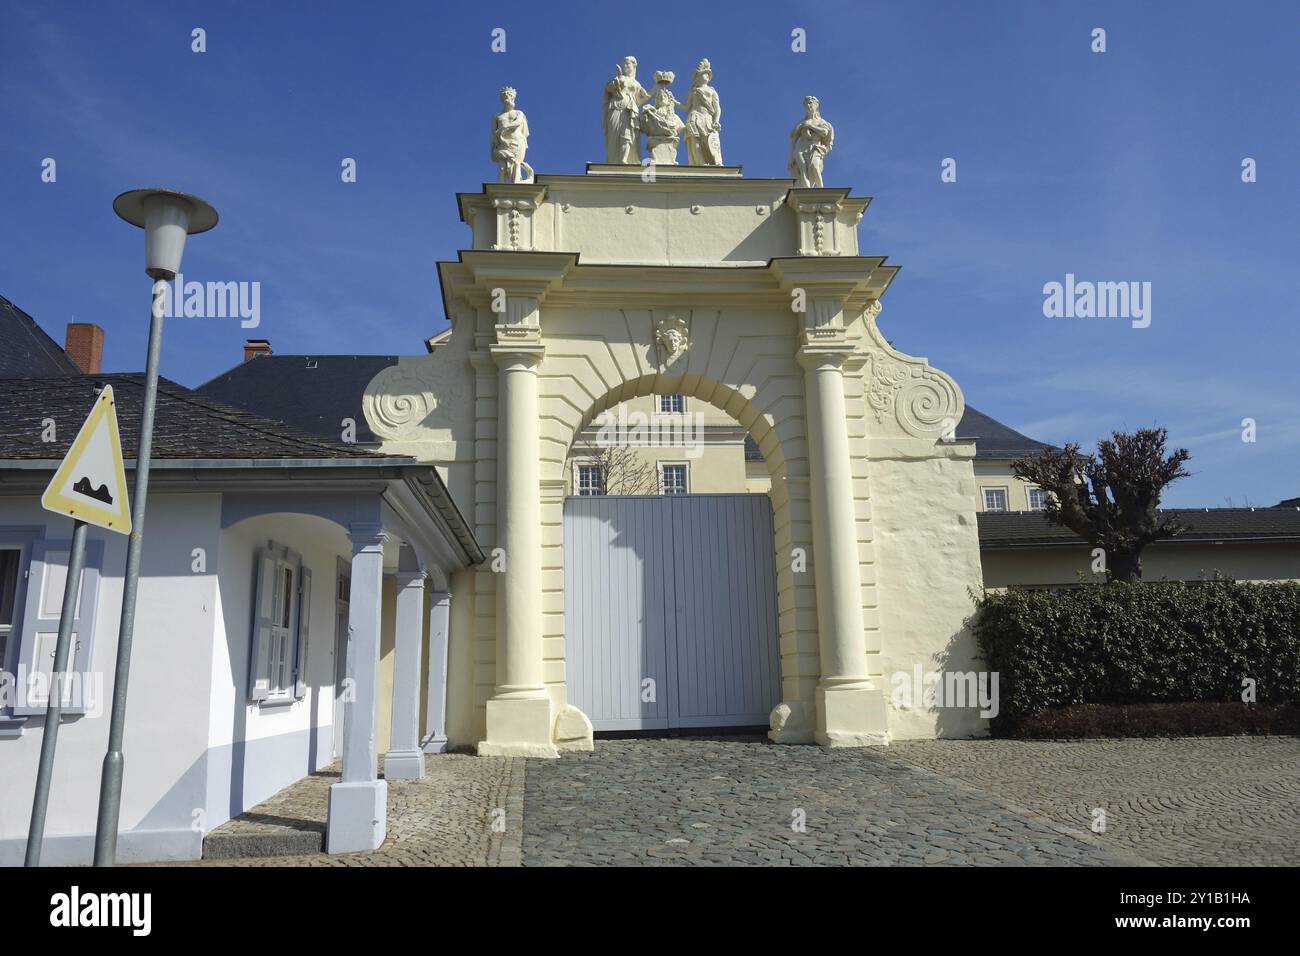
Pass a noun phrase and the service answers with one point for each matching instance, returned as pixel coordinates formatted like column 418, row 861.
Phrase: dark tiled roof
column 1013, row 529
column 26, row 350
column 311, row 392
column 1289, row 503
column 993, row 439
column 186, row 424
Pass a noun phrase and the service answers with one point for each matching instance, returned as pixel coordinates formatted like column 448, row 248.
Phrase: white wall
column 280, row 742
column 166, row 728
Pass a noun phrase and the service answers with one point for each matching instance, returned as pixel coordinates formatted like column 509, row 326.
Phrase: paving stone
column 1193, row 801
column 861, row 808
column 444, row 819
column 731, row 799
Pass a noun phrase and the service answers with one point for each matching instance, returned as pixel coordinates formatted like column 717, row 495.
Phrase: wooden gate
column 670, row 610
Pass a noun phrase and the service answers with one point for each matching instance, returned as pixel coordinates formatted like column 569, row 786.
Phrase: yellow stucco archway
column 580, row 292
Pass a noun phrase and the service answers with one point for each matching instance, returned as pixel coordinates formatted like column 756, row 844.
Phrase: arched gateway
column 582, row 291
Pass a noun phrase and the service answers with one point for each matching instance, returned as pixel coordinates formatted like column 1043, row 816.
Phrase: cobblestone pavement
column 443, row 820
column 1219, row 801
column 732, row 801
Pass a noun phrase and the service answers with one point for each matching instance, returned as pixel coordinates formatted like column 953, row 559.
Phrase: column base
column 518, row 727
column 358, row 816
column 404, row 765
column 436, row 744
column 851, row 714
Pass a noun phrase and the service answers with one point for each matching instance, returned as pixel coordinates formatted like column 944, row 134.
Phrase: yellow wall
column 996, row 473
column 716, row 460
column 1252, row 561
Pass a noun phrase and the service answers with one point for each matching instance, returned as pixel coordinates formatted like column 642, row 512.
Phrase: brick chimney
column 84, row 344
column 254, row 348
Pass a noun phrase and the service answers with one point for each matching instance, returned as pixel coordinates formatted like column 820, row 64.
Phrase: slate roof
column 1018, row 529
column 27, row 350
column 311, row 392
column 186, row 424
column 993, row 439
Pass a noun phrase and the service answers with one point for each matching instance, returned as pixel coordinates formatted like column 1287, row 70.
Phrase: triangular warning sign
column 91, row 483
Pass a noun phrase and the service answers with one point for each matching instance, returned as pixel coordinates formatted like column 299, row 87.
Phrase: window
column 1037, row 499
column 672, row 404
column 10, row 560
column 673, row 479
column 281, row 601
column 995, row 499
column 590, row 480
column 281, row 634
column 34, row 625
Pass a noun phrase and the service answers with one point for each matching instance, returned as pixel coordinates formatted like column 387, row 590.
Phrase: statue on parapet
column 703, row 120
column 660, row 122
column 509, row 141
column 624, row 97
column 810, row 141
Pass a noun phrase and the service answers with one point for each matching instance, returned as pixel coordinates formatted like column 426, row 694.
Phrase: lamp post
column 167, row 217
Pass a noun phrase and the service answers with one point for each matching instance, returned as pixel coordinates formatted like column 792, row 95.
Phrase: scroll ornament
column 397, row 401
column 924, row 402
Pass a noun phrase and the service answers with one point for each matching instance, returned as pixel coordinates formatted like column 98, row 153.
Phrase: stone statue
column 703, row 120
column 623, row 98
column 509, row 141
column 661, row 124
column 810, row 141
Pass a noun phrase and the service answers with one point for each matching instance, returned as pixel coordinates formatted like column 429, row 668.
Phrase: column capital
column 407, row 578
column 524, row 353
column 824, row 355
column 367, row 536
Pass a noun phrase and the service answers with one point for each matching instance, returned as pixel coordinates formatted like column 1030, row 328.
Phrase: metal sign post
column 54, row 708
column 89, row 486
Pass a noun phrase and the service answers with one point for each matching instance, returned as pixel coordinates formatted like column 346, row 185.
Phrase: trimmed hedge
column 1155, row 642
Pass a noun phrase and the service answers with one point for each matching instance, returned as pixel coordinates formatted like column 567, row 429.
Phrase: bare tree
column 1111, row 498
column 623, row 469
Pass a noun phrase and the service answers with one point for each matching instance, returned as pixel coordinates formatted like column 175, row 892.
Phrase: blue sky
column 1115, row 166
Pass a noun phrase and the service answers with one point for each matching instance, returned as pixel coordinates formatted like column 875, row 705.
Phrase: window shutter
column 47, row 576
column 265, row 603
column 304, row 619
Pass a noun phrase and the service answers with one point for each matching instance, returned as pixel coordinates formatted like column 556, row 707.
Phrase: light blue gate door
column 670, row 610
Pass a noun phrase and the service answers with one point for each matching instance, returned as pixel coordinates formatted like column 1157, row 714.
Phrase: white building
column 264, row 547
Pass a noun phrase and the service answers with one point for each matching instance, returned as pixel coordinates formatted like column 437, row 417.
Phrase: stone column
column 519, row 719
column 358, row 806
column 405, row 759
column 850, row 710
column 435, row 721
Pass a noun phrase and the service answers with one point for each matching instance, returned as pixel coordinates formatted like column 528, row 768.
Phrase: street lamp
column 167, row 217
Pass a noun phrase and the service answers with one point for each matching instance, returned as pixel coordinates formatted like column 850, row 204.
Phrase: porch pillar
column 405, row 759
column 850, row 710
column 358, row 806
column 435, row 721
column 519, row 712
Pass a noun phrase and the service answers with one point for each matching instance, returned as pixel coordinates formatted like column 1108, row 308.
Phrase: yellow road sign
column 90, row 484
